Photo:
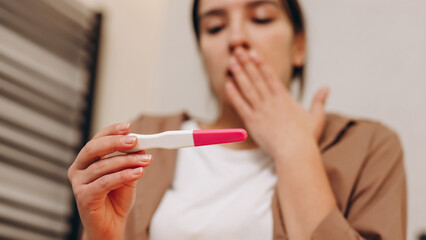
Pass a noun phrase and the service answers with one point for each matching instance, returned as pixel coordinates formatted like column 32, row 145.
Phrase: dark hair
column 293, row 11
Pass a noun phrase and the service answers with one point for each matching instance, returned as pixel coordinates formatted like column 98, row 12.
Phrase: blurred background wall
column 144, row 43
column 372, row 54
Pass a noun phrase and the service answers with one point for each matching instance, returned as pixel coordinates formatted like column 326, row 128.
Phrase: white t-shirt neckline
column 217, row 193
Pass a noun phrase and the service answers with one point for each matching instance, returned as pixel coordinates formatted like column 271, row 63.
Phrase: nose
column 238, row 37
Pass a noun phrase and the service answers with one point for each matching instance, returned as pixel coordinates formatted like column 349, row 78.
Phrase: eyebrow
column 220, row 12
column 253, row 4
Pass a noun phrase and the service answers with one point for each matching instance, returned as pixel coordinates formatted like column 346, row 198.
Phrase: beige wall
column 372, row 54
column 130, row 49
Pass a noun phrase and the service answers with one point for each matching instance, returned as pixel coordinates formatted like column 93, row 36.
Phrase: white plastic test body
column 184, row 138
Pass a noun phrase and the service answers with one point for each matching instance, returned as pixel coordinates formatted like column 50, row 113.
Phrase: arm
column 305, row 194
column 289, row 133
column 284, row 129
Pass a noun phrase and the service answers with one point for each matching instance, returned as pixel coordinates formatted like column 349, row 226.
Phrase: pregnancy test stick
column 185, row 138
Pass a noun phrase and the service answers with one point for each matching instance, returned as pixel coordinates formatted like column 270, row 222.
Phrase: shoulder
column 369, row 139
column 150, row 123
column 360, row 129
column 362, row 155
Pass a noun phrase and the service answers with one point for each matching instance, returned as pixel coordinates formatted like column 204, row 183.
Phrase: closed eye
column 215, row 30
column 262, row 21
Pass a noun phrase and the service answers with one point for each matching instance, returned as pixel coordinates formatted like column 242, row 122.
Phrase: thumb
column 318, row 113
column 318, row 104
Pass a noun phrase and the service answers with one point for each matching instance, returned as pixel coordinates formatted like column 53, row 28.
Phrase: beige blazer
column 364, row 163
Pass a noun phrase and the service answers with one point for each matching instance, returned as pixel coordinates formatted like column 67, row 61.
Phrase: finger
column 318, row 103
column 237, row 100
column 272, row 80
column 115, row 129
column 318, row 113
column 97, row 148
column 107, row 183
column 115, row 164
column 247, row 89
column 253, row 72
column 120, row 154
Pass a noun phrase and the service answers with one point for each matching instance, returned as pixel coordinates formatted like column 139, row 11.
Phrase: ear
column 299, row 50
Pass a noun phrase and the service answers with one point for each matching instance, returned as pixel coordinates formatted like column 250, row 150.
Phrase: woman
column 300, row 175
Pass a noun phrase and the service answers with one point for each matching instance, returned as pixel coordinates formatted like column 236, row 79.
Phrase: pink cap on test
column 217, row 136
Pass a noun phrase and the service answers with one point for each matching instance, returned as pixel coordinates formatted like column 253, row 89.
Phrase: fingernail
column 145, row 158
column 128, row 139
column 137, row 171
column 123, row 126
column 232, row 60
column 254, row 55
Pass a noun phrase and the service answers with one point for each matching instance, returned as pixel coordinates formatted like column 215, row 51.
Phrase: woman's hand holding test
column 104, row 188
column 289, row 133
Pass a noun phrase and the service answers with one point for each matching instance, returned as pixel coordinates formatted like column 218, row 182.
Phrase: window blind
column 48, row 56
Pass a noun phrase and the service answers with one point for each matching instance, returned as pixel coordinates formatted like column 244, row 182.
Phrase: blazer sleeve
column 377, row 207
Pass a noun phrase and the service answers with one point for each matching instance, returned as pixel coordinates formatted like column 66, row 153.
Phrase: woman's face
column 260, row 25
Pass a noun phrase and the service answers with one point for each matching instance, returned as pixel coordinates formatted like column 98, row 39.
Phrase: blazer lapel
column 335, row 127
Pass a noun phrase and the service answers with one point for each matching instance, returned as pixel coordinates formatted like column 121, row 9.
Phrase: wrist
column 295, row 148
column 116, row 233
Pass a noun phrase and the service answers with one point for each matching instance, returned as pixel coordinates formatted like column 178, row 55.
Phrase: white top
column 217, row 193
